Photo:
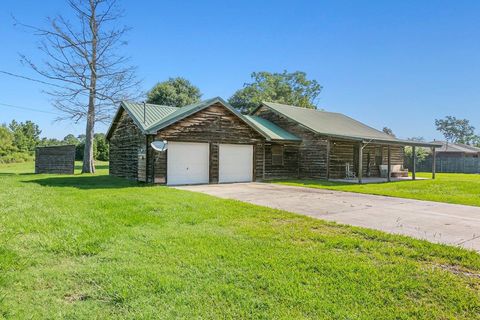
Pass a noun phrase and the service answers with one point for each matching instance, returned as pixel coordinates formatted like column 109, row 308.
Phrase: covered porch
column 360, row 160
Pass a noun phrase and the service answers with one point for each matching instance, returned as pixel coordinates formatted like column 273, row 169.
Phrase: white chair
column 349, row 173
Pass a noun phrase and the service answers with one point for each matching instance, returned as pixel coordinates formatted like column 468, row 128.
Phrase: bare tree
column 84, row 56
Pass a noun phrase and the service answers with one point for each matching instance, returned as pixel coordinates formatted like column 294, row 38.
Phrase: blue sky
column 399, row 64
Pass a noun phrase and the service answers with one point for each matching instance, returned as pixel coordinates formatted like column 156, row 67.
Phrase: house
column 456, row 150
column 211, row 142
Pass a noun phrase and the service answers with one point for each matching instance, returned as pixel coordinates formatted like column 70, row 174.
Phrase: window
column 277, row 155
column 378, row 155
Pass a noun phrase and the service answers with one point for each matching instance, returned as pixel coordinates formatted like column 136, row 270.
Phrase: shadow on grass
column 78, row 167
column 86, row 182
column 328, row 183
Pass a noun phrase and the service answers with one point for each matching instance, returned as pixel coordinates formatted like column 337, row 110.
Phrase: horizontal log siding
column 214, row 125
column 312, row 151
column 55, row 159
column 289, row 169
column 342, row 152
column 125, row 143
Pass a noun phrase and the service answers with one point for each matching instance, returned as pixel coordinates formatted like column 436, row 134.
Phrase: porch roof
column 338, row 125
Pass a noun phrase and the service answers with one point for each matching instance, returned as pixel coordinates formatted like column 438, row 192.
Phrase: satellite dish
column 159, row 145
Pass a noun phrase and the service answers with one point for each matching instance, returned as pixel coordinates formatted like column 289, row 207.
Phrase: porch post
column 434, row 162
column 360, row 161
column 328, row 158
column 389, row 164
column 414, row 164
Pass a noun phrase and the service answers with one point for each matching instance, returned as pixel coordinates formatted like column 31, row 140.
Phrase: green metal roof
column 153, row 113
column 336, row 125
column 273, row 131
column 181, row 113
column 157, row 117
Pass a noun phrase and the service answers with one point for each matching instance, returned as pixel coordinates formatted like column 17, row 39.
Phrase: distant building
column 456, row 150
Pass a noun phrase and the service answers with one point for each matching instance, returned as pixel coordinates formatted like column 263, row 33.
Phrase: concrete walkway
column 437, row 222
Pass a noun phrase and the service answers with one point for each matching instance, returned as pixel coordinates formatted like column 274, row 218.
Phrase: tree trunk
column 88, row 161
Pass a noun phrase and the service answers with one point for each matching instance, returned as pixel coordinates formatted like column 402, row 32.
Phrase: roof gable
column 143, row 115
column 151, row 118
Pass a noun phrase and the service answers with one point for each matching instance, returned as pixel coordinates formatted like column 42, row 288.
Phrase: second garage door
column 235, row 163
column 187, row 163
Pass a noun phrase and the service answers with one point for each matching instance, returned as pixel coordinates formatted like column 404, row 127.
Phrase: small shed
column 55, row 159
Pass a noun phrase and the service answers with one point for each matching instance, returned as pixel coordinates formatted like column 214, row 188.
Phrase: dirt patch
column 459, row 271
column 74, row 297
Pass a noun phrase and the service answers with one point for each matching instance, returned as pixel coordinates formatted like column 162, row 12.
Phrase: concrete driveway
column 437, row 222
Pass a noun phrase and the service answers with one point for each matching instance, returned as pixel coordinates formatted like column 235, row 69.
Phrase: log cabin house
column 211, row 142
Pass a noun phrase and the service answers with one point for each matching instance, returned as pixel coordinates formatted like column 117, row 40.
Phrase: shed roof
column 337, row 125
column 273, row 131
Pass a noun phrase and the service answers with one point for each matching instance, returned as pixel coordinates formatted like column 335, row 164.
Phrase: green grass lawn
column 447, row 187
column 97, row 247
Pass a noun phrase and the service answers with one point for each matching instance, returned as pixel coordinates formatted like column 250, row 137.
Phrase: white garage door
column 187, row 163
column 235, row 163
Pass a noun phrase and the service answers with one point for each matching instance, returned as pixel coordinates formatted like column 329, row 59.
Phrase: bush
column 16, row 157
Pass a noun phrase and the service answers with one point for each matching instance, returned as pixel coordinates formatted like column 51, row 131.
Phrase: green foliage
column 176, row 92
column 46, row 142
column 26, row 136
column 456, row 130
column 71, row 139
column 99, row 247
column 288, row 88
column 18, row 142
column 101, row 149
column 9, row 153
column 6, row 141
column 421, row 153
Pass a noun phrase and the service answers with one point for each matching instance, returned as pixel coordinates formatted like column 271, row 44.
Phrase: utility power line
column 31, row 79
column 27, row 108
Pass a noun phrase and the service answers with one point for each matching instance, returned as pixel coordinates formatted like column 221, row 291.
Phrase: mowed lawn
column 97, row 247
column 447, row 187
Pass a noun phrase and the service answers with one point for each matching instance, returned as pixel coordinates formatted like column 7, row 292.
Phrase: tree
column 288, row 88
column 456, row 130
column 45, row 142
column 70, row 139
column 84, row 63
column 6, row 141
column 102, row 150
column 176, row 92
column 26, row 136
column 420, row 152
column 388, row 131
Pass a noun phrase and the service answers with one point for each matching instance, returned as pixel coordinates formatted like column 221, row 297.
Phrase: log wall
column 311, row 153
column 126, row 143
column 55, row 159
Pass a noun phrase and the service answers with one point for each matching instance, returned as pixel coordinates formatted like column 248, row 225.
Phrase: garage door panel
column 187, row 163
column 235, row 163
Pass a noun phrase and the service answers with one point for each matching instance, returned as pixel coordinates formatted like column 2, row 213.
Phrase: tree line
column 18, row 141
column 293, row 88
